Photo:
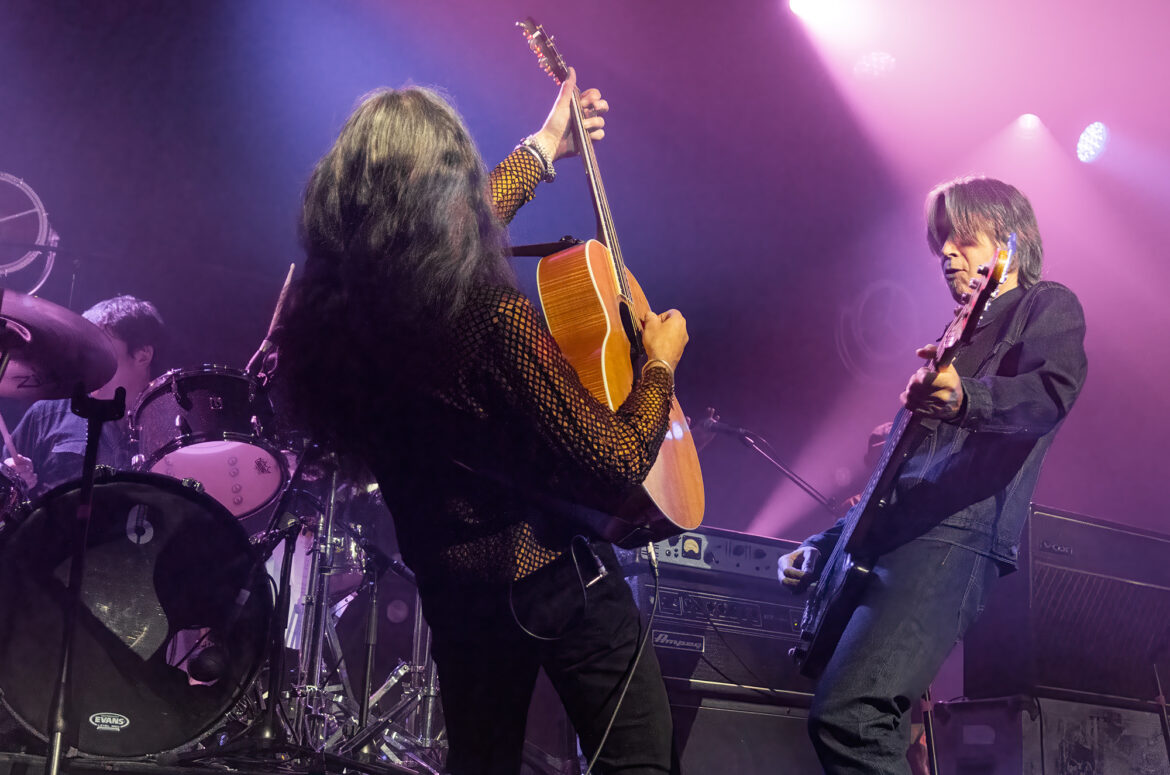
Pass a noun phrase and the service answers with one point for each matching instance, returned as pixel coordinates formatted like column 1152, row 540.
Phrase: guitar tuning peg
column 984, row 269
column 966, row 297
column 974, row 283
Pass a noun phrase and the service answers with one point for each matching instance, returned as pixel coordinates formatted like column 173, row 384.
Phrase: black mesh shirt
column 503, row 422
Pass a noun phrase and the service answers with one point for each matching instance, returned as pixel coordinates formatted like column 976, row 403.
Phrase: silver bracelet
column 653, row 361
column 546, row 159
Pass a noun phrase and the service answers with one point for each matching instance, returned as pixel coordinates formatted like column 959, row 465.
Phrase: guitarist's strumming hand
column 555, row 133
column 664, row 337
column 795, row 569
column 930, row 393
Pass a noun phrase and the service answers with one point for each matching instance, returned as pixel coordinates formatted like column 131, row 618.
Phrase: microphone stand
column 756, row 442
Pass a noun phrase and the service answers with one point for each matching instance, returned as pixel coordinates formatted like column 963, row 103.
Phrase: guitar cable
column 601, row 573
column 629, row 677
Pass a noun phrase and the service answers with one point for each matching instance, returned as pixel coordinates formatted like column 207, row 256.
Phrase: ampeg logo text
column 109, row 722
column 680, row 641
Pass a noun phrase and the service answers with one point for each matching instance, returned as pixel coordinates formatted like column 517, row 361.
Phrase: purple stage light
column 1092, row 141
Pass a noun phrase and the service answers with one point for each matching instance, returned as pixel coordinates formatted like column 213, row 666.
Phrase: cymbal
column 50, row 349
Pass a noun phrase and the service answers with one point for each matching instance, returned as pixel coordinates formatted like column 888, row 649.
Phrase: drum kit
column 231, row 586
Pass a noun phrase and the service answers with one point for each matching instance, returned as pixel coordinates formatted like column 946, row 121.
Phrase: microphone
column 714, row 425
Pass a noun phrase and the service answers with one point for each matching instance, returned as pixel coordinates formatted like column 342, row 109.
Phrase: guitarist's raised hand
column 930, row 393
column 556, row 132
column 795, row 569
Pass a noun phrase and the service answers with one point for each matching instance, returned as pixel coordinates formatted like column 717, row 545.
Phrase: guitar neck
column 606, row 232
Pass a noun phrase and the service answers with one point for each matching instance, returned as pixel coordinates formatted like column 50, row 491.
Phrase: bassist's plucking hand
column 796, row 568
column 930, row 393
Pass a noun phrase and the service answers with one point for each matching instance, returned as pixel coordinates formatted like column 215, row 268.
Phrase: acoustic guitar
column 593, row 306
column 846, row 571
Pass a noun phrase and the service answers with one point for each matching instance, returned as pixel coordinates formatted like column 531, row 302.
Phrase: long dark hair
column 398, row 228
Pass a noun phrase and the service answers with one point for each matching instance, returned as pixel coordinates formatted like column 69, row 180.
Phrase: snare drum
column 213, row 425
column 167, row 570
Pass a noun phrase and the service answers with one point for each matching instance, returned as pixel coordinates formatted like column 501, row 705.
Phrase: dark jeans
column 487, row 669
column 920, row 600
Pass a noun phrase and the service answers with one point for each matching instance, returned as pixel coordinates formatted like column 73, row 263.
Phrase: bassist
column 954, row 513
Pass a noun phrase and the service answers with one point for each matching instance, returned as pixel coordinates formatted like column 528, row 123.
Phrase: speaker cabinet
column 1086, row 617
column 712, row 735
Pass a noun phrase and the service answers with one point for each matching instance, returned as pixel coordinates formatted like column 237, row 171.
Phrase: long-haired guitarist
column 408, row 347
column 951, row 522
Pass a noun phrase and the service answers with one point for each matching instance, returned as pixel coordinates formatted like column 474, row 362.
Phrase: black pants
column 488, row 666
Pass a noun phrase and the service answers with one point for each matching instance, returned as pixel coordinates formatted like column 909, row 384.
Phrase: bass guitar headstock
column 544, row 47
column 968, row 315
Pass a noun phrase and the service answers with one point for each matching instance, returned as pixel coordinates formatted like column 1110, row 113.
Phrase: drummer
column 51, row 439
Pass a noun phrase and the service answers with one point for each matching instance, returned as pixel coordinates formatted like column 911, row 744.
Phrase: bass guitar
column 835, row 594
column 594, row 308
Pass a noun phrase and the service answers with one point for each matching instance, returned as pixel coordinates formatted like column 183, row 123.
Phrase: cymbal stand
column 311, row 700
column 96, row 412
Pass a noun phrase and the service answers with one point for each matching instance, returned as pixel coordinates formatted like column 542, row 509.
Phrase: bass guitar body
column 828, row 611
column 593, row 321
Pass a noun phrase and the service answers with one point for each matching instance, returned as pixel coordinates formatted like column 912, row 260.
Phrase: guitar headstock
column 545, row 49
column 967, row 318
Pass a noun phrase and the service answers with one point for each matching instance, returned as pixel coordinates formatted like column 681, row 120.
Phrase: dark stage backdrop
column 753, row 188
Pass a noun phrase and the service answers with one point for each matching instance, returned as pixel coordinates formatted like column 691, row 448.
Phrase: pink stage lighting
column 1028, row 121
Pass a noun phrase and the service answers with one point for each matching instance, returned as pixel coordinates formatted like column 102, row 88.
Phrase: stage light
column 875, row 64
column 837, row 20
column 1028, row 122
column 1092, row 141
column 802, row 8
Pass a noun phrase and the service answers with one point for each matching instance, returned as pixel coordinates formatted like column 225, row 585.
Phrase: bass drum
column 168, row 573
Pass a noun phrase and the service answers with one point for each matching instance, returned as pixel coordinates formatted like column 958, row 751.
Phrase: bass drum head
column 165, row 570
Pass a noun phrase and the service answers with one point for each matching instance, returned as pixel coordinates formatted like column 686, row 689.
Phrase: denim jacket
column 970, row 481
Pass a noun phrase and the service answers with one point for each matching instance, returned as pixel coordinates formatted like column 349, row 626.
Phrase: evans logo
column 109, row 722
column 680, row 641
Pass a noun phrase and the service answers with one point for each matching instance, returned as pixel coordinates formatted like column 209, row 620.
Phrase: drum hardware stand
column 305, row 737
column 96, row 412
column 408, row 728
column 309, row 719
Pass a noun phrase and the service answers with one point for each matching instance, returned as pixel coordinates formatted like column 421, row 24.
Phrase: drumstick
column 7, row 438
column 257, row 359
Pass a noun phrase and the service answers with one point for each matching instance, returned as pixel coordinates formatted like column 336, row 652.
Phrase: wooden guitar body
column 589, row 317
